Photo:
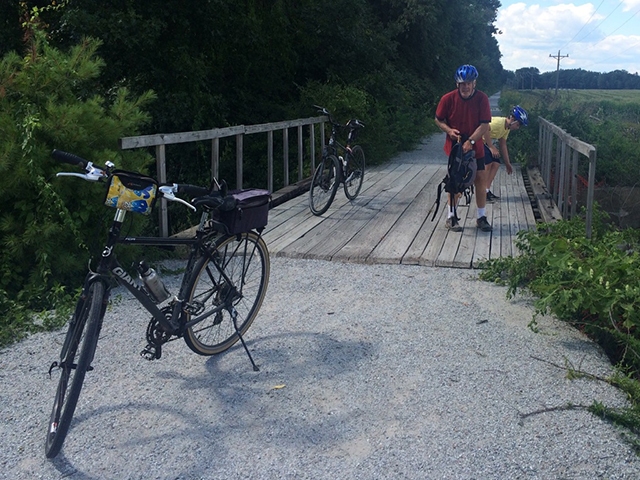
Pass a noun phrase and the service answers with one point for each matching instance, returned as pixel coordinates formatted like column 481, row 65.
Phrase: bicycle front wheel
column 355, row 172
column 324, row 185
column 239, row 274
column 75, row 361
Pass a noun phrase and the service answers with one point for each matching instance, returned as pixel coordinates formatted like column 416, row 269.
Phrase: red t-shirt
column 465, row 115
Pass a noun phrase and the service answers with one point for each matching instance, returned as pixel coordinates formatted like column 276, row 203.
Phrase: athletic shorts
column 480, row 162
column 489, row 157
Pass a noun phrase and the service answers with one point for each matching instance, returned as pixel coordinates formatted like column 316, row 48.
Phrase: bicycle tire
column 324, row 185
column 82, row 338
column 245, row 260
column 354, row 176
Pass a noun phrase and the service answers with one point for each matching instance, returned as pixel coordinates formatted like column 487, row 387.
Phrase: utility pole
column 558, row 57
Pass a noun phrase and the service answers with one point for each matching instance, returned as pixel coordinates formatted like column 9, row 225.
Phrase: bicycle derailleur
column 156, row 337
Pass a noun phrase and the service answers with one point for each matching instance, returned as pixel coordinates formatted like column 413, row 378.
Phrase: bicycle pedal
column 151, row 352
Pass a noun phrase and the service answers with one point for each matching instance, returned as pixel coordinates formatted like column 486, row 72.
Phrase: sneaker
column 491, row 197
column 452, row 224
column 484, row 225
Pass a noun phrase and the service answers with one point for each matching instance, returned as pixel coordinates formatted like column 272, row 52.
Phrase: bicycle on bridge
column 224, row 282
column 340, row 164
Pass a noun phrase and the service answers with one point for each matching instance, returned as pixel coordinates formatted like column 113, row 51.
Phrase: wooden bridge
column 390, row 222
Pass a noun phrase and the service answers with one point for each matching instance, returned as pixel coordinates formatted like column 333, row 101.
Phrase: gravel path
column 367, row 372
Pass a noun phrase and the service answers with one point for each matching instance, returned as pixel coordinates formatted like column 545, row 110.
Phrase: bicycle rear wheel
column 324, row 185
column 355, row 172
column 244, row 259
column 80, row 342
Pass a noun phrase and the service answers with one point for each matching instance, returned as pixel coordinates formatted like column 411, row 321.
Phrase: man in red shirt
column 464, row 114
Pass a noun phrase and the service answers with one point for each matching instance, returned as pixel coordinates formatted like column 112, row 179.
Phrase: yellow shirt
column 497, row 128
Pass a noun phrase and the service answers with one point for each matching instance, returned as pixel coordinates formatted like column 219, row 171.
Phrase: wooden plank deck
column 389, row 222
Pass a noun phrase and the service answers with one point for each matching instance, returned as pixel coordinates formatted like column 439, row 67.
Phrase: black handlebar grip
column 65, row 157
column 193, row 190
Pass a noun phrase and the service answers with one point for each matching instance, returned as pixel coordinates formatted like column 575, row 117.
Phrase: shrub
column 48, row 226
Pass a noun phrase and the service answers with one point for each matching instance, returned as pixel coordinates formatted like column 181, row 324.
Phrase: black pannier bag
column 251, row 211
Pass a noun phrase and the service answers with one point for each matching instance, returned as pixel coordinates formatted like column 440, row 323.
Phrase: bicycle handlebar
column 201, row 196
column 353, row 123
column 65, row 157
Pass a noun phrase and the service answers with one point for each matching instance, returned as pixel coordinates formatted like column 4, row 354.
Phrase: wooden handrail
column 559, row 154
column 161, row 140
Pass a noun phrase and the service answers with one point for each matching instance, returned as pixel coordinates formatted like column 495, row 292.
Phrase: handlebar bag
column 132, row 192
column 251, row 211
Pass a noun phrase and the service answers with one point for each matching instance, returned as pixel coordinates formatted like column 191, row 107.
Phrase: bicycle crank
column 156, row 337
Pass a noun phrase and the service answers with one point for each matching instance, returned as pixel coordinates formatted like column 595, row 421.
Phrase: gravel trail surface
column 366, row 372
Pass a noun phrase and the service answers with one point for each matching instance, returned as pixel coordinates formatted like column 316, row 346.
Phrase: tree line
column 530, row 78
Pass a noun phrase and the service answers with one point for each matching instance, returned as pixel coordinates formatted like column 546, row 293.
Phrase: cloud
column 530, row 33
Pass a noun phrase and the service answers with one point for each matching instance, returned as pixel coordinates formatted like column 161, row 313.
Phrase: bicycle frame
column 110, row 267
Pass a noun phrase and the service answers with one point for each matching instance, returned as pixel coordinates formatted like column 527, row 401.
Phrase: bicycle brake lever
column 92, row 177
column 167, row 192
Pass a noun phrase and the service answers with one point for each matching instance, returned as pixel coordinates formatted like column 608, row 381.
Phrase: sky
column 597, row 35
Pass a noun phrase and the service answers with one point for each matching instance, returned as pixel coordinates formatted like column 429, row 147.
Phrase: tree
column 46, row 102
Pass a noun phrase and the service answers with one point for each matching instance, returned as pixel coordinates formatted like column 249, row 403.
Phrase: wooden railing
column 160, row 141
column 559, row 157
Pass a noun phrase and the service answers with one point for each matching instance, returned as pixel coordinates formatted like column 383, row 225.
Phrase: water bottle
column 344, row 162
column 153, row 283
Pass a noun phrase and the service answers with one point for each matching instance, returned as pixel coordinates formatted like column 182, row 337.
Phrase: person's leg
column 481, row 196
column 492, row 170
column 481, row 184
column 452, row 220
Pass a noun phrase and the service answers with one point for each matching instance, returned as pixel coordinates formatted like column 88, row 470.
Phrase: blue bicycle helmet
column 466, row 73
column 520, row 114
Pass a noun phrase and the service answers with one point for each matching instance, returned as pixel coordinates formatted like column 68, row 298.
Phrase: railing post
column 590, row 191
column 574, row 183
column 239, row 145
column 215, row 158
column 161, row 170
column 300, row 156
column 270, row 160
column 312, row 146
column 285, row 155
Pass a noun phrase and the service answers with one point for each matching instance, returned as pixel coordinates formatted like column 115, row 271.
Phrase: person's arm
column 476, row 136
column 487, row 141
column 505, row 154
column 451, row 132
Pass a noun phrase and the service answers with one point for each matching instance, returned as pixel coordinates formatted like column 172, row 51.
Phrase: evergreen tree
column 48, row 225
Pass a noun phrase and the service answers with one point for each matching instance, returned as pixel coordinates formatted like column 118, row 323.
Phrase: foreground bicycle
column 222, row 289
column 340, row 164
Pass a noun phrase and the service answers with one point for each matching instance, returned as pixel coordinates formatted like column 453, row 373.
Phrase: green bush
column 608, row 120
column 593, row 284
column 48, row 226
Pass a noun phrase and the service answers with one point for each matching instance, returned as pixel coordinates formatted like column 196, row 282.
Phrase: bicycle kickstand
column 234, row 316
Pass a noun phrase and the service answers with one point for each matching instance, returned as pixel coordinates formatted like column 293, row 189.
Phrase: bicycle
column 340, row 164
column 222, row 289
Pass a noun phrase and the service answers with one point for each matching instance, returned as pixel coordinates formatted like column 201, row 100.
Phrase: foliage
column 48, row 226
column 577, row 78
column 212, row 64
column 401, row 54
column 605, row 118
column 593, row 284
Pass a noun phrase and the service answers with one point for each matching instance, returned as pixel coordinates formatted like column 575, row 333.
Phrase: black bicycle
column 222, row 289
column 340, row 164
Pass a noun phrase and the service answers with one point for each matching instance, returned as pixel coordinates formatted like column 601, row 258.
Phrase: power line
column 628, row 19
column 614, row 57
column 586, row 23
column 606, row 18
